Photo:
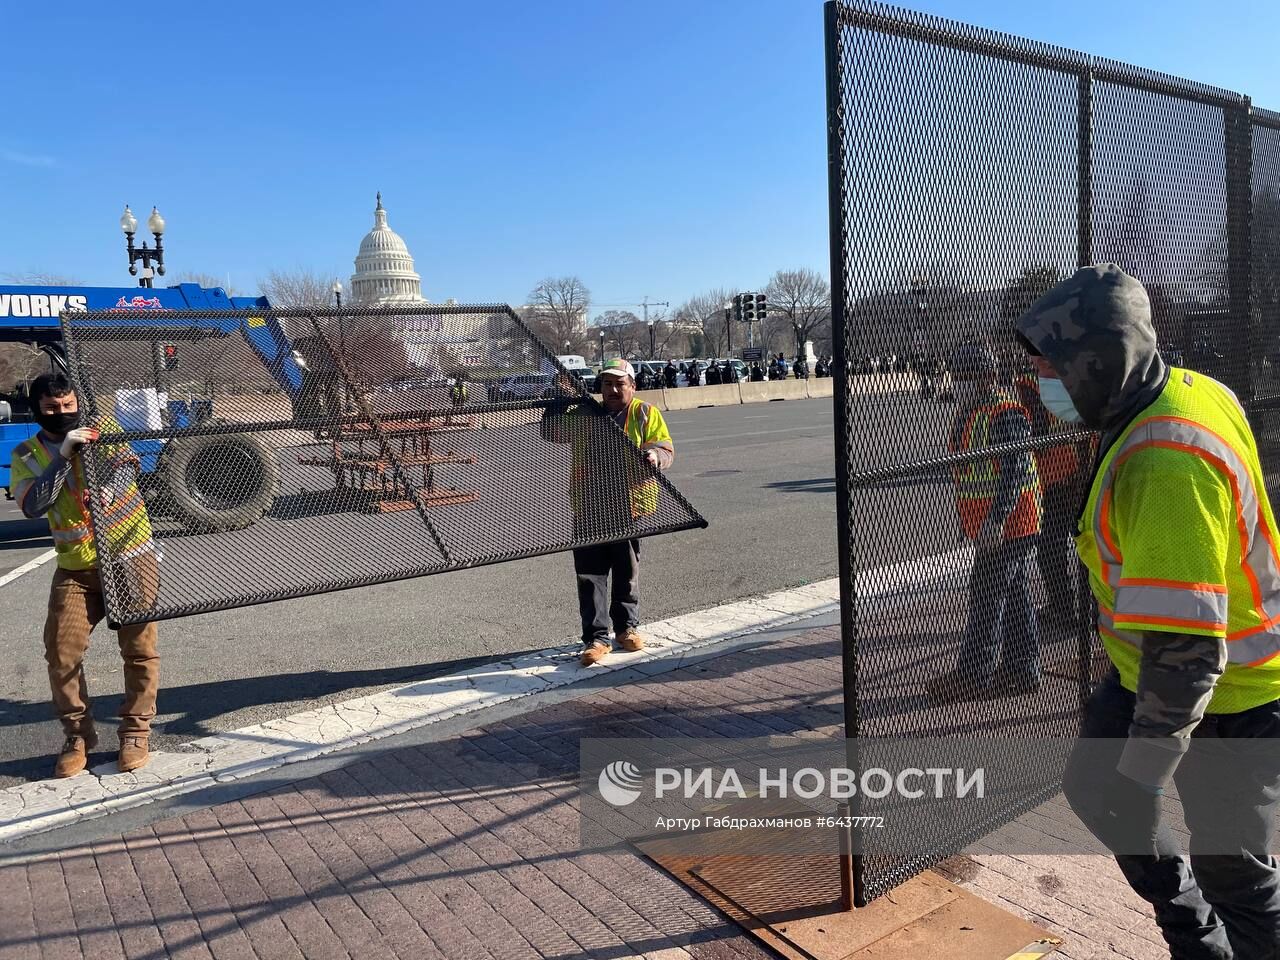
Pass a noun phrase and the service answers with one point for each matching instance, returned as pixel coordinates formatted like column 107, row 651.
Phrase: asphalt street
column 762, row 474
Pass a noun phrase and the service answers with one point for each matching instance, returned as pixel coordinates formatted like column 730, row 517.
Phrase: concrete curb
column 32, row 808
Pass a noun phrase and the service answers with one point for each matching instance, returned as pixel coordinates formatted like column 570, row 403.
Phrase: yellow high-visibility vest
column 978, row 481
column 646, row 428
column 127, row 526
column 1179, row 537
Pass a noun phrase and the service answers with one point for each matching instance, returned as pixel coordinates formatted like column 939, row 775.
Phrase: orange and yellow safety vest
column 1179, row 537
column 124, row 522
column 978, row 480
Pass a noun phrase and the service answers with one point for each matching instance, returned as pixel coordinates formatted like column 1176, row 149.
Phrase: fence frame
column 1240, row 119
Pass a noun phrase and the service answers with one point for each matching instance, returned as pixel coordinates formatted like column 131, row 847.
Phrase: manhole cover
column 717, row 473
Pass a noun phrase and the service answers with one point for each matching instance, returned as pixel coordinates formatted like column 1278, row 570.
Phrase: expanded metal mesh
column 287, row 453
column 969, row 172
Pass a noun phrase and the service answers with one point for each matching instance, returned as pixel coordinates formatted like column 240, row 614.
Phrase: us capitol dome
column 384, row 267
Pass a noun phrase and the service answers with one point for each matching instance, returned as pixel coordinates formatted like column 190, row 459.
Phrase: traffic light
column 748, row 307
column 737, row 308
column 170, row 355
column 762, row 307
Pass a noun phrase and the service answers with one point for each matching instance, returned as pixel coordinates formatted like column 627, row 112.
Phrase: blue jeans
column 1002, row 621
column 1213, row 906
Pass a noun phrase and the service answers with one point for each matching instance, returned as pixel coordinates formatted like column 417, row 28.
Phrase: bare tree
column 19, row 363
column 624, row 328
column 803, row 299
column 208, row 281
column 558, row 312
column 300, row 289
column 670, row 337
column 704, row 314
column 37, row 278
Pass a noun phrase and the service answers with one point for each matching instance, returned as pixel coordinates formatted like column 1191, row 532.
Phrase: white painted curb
column 32, row 808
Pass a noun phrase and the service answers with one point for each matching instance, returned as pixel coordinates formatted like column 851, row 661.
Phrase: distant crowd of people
column 691, row 373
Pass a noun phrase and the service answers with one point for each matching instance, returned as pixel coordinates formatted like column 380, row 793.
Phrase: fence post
column 1239, row 168
column 840, row 375
column 1084, row 176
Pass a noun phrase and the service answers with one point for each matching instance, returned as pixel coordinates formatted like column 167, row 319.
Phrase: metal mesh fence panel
column 1265, row 290
column 969, row 172
column 265, row 454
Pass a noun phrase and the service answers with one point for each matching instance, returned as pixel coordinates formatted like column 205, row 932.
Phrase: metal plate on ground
column 792, row 905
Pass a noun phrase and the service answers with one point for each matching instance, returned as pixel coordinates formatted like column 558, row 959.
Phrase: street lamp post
column 155, row 223
column 602, row 346
column 653, row 342
column 728, row 328
column 342, row 323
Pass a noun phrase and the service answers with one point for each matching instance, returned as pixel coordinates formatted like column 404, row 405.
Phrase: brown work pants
column 75, row 608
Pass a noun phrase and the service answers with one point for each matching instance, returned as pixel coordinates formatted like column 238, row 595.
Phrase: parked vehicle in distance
column 528, row 386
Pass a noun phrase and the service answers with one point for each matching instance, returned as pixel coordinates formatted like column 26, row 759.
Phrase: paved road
column 762, row 474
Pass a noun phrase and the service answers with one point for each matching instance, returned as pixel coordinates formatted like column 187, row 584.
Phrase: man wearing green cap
column 599, row 606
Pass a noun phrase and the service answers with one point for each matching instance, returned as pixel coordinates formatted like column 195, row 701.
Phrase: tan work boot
column 631, row 639
column 134, row 752
column 74, row 756
column 595, row 653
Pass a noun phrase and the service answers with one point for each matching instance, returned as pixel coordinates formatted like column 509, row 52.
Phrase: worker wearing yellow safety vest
column 1180, row 543
column 998, row 502
column 609, row 495
column 48, row 478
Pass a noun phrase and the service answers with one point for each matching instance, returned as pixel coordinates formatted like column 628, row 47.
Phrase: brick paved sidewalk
column 466, row 847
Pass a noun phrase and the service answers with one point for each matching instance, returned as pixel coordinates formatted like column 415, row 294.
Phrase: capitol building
column 384, row 267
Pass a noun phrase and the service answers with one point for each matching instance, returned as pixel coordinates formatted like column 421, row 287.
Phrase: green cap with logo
column 617, row 368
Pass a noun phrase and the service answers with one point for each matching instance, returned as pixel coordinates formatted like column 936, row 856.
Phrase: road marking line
column 27, row 567
column 32, row 808
column 795, row 431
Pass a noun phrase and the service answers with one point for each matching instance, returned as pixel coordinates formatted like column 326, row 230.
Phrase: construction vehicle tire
column 220, row 482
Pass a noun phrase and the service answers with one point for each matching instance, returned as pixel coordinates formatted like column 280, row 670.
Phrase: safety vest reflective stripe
column 1247, row 648
column 1192, row 604
column 76, row 534
column 1261, row 566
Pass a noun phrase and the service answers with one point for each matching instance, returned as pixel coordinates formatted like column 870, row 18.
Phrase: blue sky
column 659, row 148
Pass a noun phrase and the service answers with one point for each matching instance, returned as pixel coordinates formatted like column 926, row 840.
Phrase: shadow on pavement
column 24, row 534
column 816, row 485
column 195, row 704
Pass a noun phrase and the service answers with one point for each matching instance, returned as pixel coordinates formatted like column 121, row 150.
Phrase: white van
column 573, row 362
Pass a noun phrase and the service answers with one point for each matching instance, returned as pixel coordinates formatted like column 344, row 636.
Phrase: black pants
column 1214, row 906
column 1056, row 552
column 598, row 608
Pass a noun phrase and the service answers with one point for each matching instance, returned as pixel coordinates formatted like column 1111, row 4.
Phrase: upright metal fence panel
column 1265, row 279
column 259, row 455
column 970, row 171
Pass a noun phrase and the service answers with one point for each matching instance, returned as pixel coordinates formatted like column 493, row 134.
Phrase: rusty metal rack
column 372, row 473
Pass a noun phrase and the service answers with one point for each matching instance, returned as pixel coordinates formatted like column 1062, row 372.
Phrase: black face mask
column 58, row 424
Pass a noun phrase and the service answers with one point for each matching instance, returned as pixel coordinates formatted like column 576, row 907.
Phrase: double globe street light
column 155, row 223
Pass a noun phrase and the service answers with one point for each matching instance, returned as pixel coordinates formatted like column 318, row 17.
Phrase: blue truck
column 218, row 482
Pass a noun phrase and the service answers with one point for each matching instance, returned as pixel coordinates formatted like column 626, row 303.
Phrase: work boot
column 74, row 756
column 134, row 752
column 595, row 653
column 631, row 639
column 956, row 685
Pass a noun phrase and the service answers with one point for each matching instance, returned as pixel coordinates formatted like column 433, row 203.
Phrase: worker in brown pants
column 48, row 480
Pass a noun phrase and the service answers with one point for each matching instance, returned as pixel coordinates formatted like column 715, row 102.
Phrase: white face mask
column 1057, row 401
